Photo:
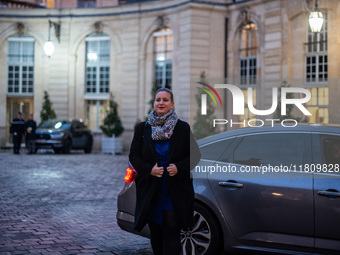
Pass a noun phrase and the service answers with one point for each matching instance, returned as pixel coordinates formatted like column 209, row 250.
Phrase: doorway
column 15, row 105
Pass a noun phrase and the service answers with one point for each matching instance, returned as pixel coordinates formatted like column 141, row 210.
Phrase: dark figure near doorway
column 30, row 127
column 17, row 130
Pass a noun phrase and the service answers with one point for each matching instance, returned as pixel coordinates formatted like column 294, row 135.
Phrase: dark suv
column 64, row 135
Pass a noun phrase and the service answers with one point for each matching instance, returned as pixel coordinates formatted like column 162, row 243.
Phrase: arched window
column 248, row 65
column 97, row 64
column 248, row 55
column 317, row 73
column 163, row 47
column 97, row 78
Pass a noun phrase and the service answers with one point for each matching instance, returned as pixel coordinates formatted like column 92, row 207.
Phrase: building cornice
column 101, row 12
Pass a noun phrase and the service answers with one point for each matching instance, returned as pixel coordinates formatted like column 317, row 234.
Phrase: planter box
column 108, row 144
column 112, row 145
column 119, row 145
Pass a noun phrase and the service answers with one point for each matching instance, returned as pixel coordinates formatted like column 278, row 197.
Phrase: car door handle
column 329, row 193
column 231, row 184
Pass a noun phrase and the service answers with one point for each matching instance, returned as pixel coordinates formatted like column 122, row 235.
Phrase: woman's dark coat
column 143, row 157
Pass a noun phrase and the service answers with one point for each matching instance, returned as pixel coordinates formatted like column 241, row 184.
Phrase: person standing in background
column 30, row 127
column 17, row 130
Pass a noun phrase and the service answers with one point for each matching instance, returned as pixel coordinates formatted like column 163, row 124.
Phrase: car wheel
column 88, row 147
column 67, row 146
column 204, row 237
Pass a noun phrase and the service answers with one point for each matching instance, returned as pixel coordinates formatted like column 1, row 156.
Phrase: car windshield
column 54, row 125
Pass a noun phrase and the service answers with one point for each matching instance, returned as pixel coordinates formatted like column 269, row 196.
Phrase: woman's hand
column 157, row 171
column 172, row 169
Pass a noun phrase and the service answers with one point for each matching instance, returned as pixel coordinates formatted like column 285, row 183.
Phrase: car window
column 54, row 125
column 66, row 125
column 330, row 149
column 273, row 149
column 213, row 150
column 47, row 124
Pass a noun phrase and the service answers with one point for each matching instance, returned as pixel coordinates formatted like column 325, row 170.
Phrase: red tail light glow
column 130, row 175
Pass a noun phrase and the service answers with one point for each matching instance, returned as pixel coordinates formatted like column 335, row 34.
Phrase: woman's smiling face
column 162, row 103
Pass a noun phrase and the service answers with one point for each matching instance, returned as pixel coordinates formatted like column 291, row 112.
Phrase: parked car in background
column 64, row 135
column 265, row 189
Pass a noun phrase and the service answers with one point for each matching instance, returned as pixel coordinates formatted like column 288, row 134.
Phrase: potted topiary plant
column 112, row 129
column 47, row 112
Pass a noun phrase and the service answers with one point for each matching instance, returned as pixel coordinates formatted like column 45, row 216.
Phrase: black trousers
column 165, row 238
column 17, row 143
column 30, row 144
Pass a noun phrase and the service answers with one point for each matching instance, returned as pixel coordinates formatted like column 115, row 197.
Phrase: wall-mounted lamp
column 316, row 19
column 49, row 45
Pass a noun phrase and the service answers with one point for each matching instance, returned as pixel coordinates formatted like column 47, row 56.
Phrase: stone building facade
column 127, row 49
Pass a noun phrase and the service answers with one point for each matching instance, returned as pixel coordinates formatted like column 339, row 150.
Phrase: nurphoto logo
column 239, row 103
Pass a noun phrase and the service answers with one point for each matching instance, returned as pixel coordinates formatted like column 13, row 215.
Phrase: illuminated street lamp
column 316, row 19
column 49, row 46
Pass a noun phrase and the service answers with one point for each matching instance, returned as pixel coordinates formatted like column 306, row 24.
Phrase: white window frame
column 317, row 47
column 97, row 95
column 250, row 80
column 314, row 50
column 163, row 60
column 97, row 98
column 21, row 65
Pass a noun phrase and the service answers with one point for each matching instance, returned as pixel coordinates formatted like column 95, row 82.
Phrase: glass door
column 15, row 105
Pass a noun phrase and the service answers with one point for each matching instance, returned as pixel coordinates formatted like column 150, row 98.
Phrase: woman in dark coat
column 163, row 152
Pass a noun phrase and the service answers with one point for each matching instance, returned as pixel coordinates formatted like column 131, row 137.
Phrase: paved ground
column 63, row 204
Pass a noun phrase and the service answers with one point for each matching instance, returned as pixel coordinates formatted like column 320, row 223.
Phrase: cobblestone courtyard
column 63, row 204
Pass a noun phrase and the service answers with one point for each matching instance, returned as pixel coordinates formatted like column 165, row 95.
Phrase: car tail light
column 130, row 174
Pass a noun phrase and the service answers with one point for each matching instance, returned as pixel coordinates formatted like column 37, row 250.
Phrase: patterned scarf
column 162, row 127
